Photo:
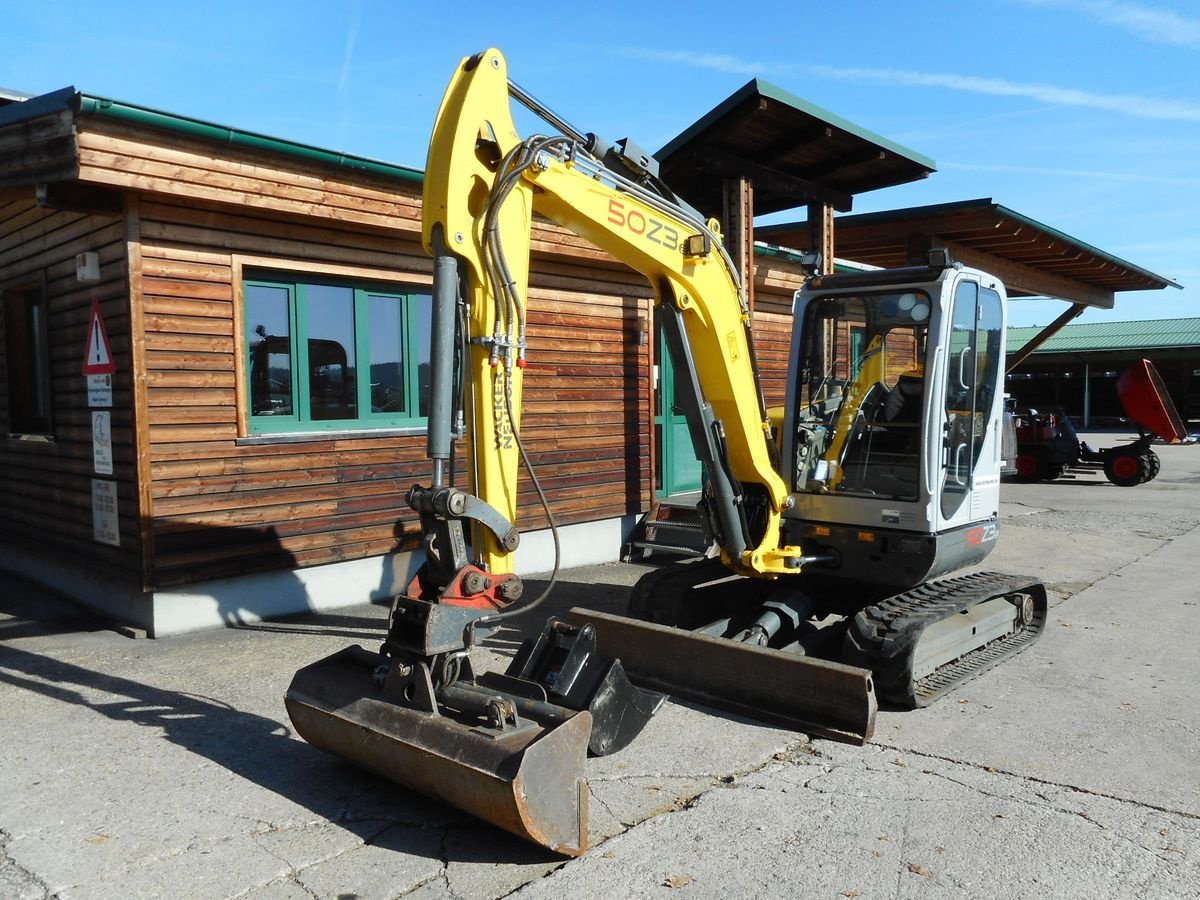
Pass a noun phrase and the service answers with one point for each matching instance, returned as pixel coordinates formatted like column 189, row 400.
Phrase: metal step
column 670, row 528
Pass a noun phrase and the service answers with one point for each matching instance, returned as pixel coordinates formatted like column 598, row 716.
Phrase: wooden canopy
column 1031, row 258
column 795, row 153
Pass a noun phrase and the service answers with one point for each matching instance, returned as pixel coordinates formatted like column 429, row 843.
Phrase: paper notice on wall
column 105, row 528
column 102, row 458
column 99, row 390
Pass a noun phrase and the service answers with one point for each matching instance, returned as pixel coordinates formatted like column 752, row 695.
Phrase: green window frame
column 308, row 342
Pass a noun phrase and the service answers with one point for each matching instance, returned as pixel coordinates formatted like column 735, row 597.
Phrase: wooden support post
column 820, row 230
column 737, row 201
column 820, row 227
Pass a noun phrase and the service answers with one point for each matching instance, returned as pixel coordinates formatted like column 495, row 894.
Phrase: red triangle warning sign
column 98, row 358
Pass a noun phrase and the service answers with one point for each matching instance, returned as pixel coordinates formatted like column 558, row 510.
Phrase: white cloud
column 1091, row 174
column 719, row 62
column 1123, row 104
column 348, row 54
column 1160, row 26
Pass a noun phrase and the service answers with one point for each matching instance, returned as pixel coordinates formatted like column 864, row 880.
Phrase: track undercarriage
column 918, row 644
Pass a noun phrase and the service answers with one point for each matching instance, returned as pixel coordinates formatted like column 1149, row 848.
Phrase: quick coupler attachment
column 565, row 663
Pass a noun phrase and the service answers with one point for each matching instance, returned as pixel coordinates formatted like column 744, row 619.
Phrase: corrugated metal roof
column 1147, row 334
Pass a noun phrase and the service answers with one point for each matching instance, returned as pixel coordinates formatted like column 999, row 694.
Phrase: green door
column 677, row 471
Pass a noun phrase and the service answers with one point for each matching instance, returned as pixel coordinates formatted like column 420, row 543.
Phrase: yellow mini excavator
column 881, row 473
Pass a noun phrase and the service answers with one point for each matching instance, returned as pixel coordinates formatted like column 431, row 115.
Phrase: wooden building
column 260, row 304
column 1046, row 365
column 1077, row 369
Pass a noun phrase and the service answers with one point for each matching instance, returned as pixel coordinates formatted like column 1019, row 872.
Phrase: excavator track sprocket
column 885, row 636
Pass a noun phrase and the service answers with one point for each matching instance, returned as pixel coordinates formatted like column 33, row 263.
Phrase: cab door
column 974, row 362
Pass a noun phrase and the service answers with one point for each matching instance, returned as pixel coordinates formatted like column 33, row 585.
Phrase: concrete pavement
column 135, row 768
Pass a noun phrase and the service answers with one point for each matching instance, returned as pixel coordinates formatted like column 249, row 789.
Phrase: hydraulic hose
column 495, row 618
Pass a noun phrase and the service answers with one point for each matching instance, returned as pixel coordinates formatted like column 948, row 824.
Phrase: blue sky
column 1082, row 114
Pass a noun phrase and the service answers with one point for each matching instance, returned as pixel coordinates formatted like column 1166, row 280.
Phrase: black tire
column 1154, row 463
column 1032, row 463
column 1126, row 469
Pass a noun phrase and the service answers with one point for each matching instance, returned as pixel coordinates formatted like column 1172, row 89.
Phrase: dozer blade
column 822, row 698
column 528, row 781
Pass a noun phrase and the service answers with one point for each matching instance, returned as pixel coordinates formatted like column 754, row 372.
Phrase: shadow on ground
column 264, row 752
column 29, row 609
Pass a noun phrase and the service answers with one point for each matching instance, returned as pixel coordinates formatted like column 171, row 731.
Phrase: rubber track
column 883, row 637
column 657, row 583
column 667, row 595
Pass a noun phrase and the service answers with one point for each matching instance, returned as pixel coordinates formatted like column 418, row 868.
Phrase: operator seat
column 896, row 452
column 903, row 404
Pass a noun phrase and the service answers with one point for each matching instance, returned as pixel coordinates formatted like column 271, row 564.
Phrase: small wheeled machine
column 1047, row 443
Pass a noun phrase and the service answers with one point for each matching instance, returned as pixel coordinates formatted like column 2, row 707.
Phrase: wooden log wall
column 775, row 284
column 772, row 345
column 220, row 505
column 46, row 483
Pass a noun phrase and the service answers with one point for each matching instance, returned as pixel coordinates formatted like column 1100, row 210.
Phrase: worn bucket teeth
column 528, row 781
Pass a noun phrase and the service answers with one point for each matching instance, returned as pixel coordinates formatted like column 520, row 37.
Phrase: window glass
column 988, row 364
column 269, row 332
column 862, row 390
column 385, row 315
column 27, row 351
column 962, row 388
column 328, row 355
column 329, row 317
column 421, row 315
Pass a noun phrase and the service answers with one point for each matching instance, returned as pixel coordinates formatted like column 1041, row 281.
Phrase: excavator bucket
column 816, row 696
column 526, row 778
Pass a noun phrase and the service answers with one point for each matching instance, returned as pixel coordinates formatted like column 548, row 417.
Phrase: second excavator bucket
column 525, row 777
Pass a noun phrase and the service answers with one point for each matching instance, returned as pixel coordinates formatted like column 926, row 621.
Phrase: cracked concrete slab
column 871, row 822
column 169, row 768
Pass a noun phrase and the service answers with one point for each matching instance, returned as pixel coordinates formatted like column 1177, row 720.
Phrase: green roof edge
column 766, row 89
column 1019, row 335
column 142, row 115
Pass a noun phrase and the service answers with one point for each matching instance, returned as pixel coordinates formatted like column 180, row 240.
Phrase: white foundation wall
column 251, row 598
column 262, row 595
column 107, row 592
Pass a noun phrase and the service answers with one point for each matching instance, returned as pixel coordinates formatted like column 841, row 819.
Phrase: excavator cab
column 894, row 421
